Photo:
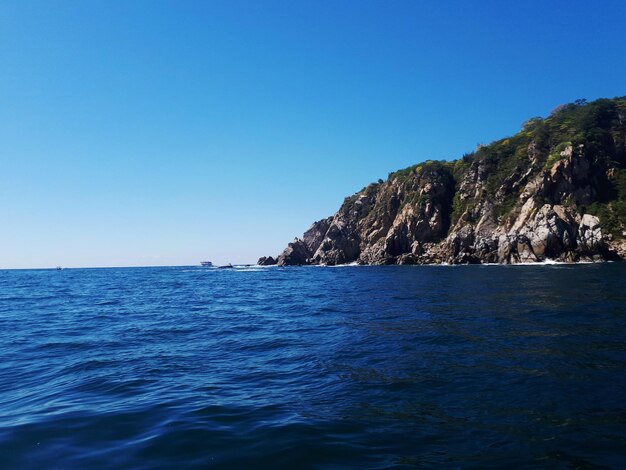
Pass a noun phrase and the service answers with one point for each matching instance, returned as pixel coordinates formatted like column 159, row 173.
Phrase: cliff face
column 556, row 190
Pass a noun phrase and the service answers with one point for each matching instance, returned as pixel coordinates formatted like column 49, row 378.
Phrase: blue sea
column 310, row 367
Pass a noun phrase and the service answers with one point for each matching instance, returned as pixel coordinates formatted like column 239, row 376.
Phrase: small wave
column 546, row 262
column 108, row 302
column 345, row 265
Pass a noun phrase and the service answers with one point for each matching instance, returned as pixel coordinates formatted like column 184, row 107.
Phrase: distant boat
column 228, row 266
column 206, row 264
column 59, row 268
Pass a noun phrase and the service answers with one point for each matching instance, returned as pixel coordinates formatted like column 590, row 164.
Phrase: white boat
column 206, row 264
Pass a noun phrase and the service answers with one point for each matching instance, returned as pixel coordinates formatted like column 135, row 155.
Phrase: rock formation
column 556, row 190
column 266, row 261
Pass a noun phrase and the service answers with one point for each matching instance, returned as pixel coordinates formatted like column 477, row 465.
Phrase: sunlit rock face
column 554, row 191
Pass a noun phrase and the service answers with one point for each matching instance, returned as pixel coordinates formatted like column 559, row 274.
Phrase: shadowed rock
column 266, row 261
column 295, row 254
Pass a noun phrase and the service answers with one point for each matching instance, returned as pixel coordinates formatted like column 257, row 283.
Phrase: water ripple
column 373, row 367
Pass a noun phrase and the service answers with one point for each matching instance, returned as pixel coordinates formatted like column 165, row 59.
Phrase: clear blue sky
column 156, row 133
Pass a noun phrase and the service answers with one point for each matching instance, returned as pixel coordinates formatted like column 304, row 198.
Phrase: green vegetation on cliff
column 612, row 212
column 597, row 130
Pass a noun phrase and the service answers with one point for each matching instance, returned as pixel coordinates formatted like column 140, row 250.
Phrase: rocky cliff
column 555, row 190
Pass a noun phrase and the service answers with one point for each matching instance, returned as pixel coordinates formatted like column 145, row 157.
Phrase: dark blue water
column 314, row 367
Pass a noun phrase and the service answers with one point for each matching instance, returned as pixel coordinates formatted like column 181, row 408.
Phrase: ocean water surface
column 371, row 367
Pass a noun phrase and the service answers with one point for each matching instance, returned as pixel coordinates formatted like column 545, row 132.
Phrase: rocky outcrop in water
column 266, row 261
column 556, row 190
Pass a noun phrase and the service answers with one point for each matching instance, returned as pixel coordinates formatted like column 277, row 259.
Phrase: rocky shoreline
column 554, row 191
